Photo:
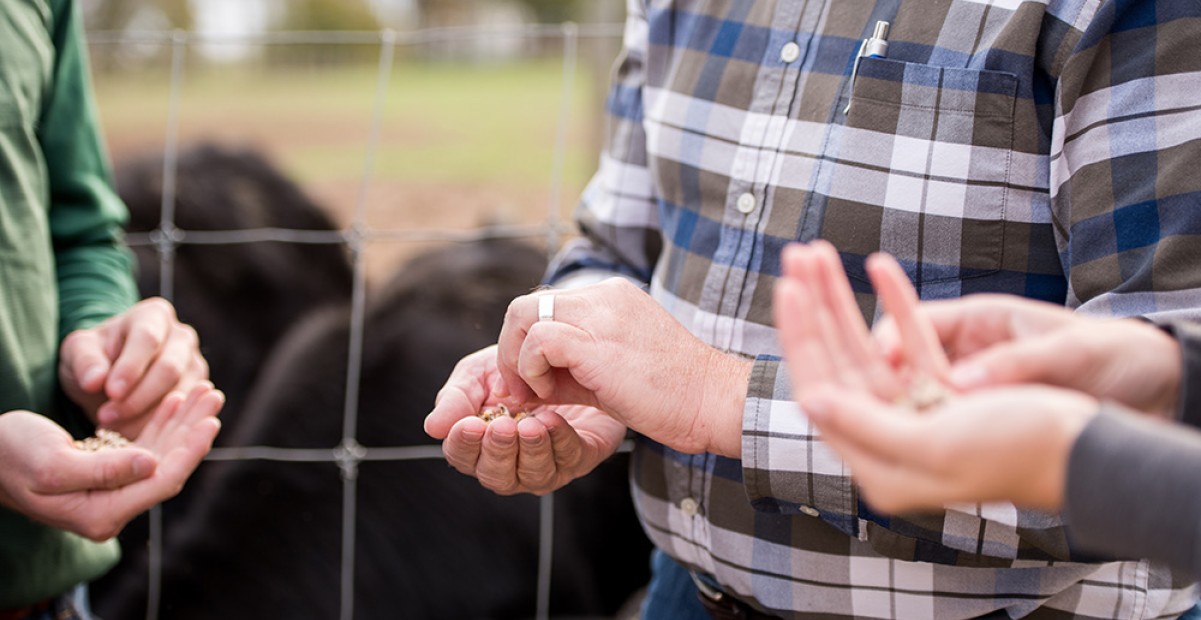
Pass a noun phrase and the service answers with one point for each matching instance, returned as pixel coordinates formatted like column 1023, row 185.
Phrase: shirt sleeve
column 1125, row 144
column 1188, row 336
column 1133, row 490
column 618, row 215
column 94, row 268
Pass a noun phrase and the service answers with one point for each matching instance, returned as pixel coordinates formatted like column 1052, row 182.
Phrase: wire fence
column 356, row 237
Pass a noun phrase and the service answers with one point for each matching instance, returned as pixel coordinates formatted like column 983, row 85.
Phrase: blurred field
column 462, row 144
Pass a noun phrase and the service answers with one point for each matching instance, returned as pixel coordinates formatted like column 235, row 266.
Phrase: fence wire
column 349, row 453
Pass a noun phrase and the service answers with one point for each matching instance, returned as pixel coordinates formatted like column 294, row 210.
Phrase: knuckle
column 158, row 304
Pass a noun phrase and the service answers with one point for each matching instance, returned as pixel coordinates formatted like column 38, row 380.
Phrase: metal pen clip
column 875, row 46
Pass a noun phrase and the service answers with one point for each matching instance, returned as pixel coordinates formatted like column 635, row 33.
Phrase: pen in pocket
column 875, row 46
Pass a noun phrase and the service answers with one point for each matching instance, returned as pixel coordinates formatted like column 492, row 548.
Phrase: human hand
column 824, row 336
column 613, row 347
column 539, row 454
column 94, row 494
column 120, row 370
column 1009, row 443
column 1004, row 340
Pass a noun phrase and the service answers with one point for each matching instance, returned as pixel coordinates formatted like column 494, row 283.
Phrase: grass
column 443, row 122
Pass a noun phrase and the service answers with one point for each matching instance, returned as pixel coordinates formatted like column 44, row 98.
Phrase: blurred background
column 471, row 109
column 342, row 196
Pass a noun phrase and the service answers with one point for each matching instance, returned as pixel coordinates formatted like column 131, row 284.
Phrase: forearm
column 1133, row 490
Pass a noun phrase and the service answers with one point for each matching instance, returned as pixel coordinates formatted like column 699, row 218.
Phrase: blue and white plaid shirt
column 1046, row 149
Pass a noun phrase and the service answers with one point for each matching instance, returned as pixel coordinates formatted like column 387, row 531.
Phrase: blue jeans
column 1192, row 614
column 671, row 595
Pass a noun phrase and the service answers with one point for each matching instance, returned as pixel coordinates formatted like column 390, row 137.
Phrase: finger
column 836, row 353
column 83, row 357
column 78, row 470
column 463, row 395
column 146, row 328
column 566, row 444
column 162, row 415
column 167, row 372
column 463, row 444
column 800, row 335
column 521, row 314
column 855, row 340
column 497, row 467
column 551, row 347
column 1032, row 360
column 535, row 459
column 918, row 339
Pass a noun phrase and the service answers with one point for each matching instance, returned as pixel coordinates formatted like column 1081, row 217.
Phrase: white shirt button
column 746, row 202
column 811, row 511
column 688, row 506
column 790, row 52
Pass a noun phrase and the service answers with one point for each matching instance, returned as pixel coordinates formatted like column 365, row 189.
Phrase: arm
column 1133, row 491
column 94, row 269
column 1124, row 146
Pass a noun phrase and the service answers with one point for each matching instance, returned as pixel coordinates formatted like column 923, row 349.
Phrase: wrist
column 719, row 418
column 1070, row 413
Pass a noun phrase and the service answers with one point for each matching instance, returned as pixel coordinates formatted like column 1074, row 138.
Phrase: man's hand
column 1005, row 340
column 120, row 370
column 613, row 347
column 94, row 494
column 539, row 454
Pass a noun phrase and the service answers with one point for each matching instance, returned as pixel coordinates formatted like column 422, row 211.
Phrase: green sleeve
column 95, row 280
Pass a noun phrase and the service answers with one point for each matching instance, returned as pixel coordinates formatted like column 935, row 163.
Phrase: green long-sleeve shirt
column 62, row 263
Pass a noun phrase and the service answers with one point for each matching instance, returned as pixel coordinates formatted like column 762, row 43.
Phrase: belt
column 27, row 611
column 720, row 604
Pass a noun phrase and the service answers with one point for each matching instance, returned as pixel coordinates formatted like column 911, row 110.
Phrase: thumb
column 84, row 359
column 101, row 470
column 1032, row 360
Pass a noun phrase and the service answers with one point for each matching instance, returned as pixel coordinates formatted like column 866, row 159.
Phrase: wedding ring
column 546, row 307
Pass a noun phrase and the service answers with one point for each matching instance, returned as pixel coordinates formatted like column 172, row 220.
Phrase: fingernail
column 142, row 465
column 473, row 435
column 117, row 388
column 91, row 376
column 503, row 439
column 534, row 441
column 968, row 376
column 107, row 414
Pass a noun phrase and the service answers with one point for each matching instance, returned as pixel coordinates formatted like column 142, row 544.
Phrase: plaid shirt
column 1045, row 149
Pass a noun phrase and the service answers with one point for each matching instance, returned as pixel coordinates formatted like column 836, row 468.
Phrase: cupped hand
column 551, row 447
column 120, row 370
column 1005, row 340
column 94, row 494
column 1008, row 443
column 613, row 347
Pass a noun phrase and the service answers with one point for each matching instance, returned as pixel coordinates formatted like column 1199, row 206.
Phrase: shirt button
column 746, row 202
column 811, row 511
column 688, row 506
column 790, row 52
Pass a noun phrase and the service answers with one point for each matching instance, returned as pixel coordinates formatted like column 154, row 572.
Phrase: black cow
column 240, row 297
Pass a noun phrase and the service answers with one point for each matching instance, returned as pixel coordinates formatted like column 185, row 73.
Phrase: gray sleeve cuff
column 1133, row 489
column 1188, row 335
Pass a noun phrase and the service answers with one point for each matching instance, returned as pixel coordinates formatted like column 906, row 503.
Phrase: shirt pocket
column 922, row 169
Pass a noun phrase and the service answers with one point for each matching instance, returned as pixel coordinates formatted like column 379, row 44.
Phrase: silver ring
column 546, row 307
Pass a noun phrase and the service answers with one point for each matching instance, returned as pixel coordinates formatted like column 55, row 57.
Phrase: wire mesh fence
column 358, row 234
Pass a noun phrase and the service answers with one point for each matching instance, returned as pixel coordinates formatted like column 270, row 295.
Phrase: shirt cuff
column 786, row 468
column 1188, row 401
